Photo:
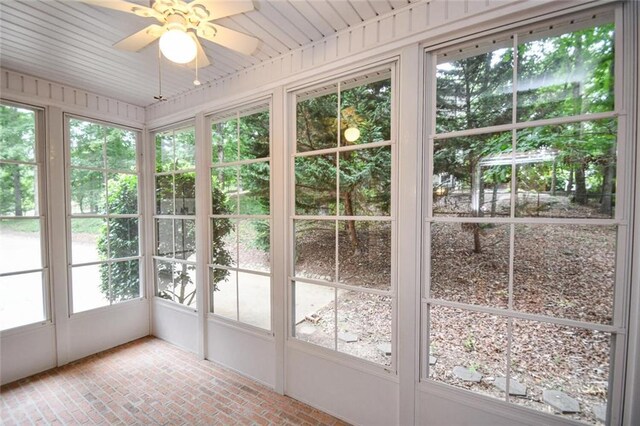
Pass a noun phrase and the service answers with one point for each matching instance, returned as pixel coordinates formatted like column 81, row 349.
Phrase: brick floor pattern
column 149, row 381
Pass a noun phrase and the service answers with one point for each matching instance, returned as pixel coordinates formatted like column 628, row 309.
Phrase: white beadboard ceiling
column 71, row 42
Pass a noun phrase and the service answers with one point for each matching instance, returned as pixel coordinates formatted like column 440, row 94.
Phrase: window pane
column 88, row 240
column 470, row 173
column 254, row 136
column 315, row 250
column 19, row 245
column 121, row 149
column 467, row 349
column 164, row 152
column 90, row 287
column 254, row 292
column 314, row 314
column 317, row 122
column 224, row 250
column 225, row 293
column 367, row 109
column 315, row 190
column 18, row 140
column 254, row 188
column 125, row 280
column 565, row 271
column 568, row 74
column 123, row 194
column 548, row 357
column 185, row 239
column 364, row 253
column 21, row 300
column 185, row 149
column 567, row 170
column 176, row 282
column 224, row 196
column 185, row 187
column 364, row 326
column 18, row 190
column 86, row 144
column 164, row 194
column 88, row 192
column 474, row 92
column 224, row 138
column 164, row 237
column 123, row 237
column 365, row 182
column 470, row 263
column 253, row 245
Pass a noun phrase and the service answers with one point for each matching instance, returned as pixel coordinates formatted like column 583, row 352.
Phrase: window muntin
column 103, row 215
column 174, row 219
column 240, row 219
column 521, row 278
column 342, row 218
column 23, row 256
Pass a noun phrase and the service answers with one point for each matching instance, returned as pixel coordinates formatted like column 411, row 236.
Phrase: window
column 240, row 220
column 23, row 257
column 103, row 214
column 523, row 219
column 175, row 223
column 342, row 217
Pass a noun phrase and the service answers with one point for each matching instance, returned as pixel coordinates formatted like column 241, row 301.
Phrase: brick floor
column 149, row 381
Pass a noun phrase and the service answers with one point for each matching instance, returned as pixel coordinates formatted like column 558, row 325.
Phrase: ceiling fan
column 182, row 25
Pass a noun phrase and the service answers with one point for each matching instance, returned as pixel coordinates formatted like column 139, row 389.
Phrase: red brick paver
column 149, row 381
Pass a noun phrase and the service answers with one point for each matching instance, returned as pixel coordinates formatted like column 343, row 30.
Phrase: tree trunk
column 477, row 244
column 569, row 188
column 607, row 186
column 17, row 191
column 581, row 185
column 494, row 195
column 554, row 172
column 351, row 224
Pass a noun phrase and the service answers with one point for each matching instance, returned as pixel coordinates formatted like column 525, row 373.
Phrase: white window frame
column 292, row 154
column 43, row 207
column 622, row 216
column 69, row 215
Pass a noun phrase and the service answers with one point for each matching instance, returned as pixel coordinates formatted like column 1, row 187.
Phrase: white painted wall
column 26, row 352
column 175, row 324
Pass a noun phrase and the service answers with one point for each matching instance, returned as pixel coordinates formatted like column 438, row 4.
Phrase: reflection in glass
column 364, row 326
column 553, row 357
column 567, row 74
column 185, row 149
column 176, row 282
column 21, row 300
column 164, row 194
column 20, row 245
column 567, row 170
column 254, row 136
column 364, row 249
column 367, row 108
column 87, row 240
column 123, row 194
column 314, row 314
column 121, row 149
column 315, row 190
column 17, row 143
column 467, row 349
column 185, row 239
column 565, row 271
column 254, row 188
column 365, row 182
column 474, row 92
column 164, row 237
column 472, row 175
column 224, row 285
column 254, row 298
column 19, row 190
column 253, row 245
column 470, row 263
column 164, row 152
column 224, row 250
column 89, row 290
column 86, row 142
column 185, row 193
column 123, row 237
column 317, row 122
column 224, row 140
column 224, row 186
column 315, row 252
column 125, row 280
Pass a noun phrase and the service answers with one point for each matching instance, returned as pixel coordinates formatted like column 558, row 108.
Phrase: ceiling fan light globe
column 177, row 46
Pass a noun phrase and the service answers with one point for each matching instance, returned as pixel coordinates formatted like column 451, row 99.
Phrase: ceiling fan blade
column 229, row 38
column 219, row 8
column 124, row 6
column 203, row 61
column 141, row 39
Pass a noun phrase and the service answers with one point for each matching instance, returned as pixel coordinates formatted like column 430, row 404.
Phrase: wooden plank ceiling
column 71, row 42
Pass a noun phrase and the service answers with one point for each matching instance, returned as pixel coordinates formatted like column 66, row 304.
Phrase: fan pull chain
column 196, row 82
column 159, row 97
